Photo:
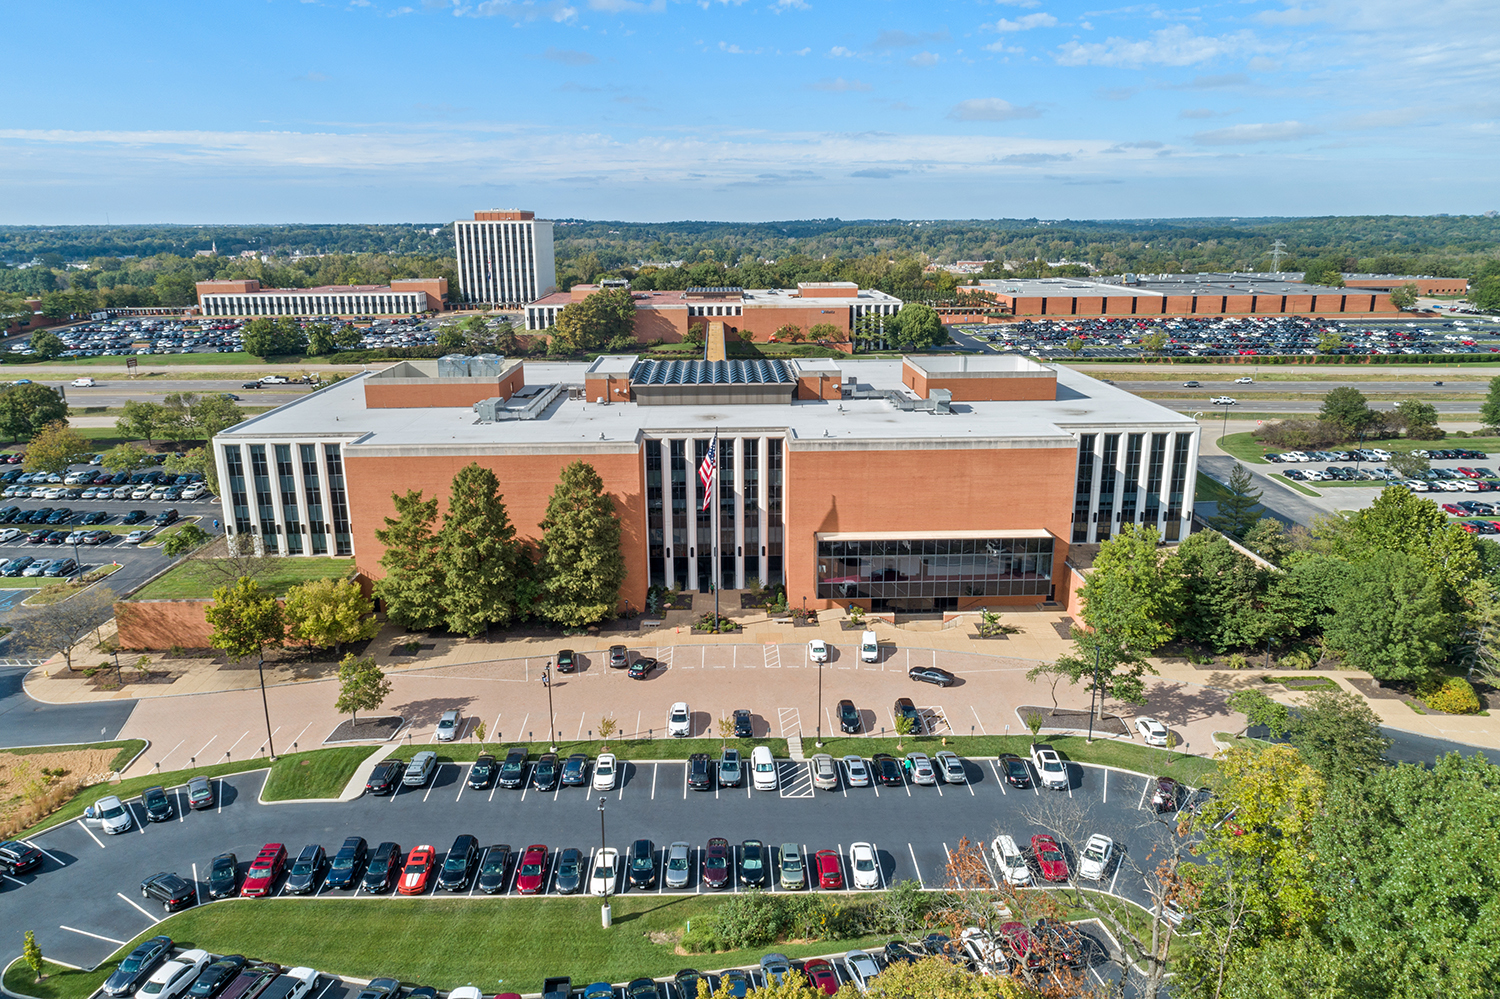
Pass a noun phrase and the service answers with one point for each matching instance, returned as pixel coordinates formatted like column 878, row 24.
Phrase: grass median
column 644, row 750
column 517, row 941
column 197, row 578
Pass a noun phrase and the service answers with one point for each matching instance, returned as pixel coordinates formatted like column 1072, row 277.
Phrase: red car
column 1453, row 509
column 531, row 876
column 1050, row 858
column 1022, row 946
column 830, row 870
column 264, row 870
column 716, row 864
column 418, row 867
column 1467, row 472
column 822, row 975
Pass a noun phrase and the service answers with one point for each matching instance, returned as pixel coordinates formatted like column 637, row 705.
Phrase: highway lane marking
column 137, row 908
column 37, row 848
column 978, row 719
column 96, row 936
column 86, row 829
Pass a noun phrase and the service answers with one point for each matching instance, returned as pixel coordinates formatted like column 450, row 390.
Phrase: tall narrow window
column 265, row 505
column 239, row 497
column 316, row 518
column 343, row 542
column 1128, row 495
column 680, row 542
column 1107, row 475
column 286, row 480
column 752, row 507
column 1155, row 466
column 656, row 533
column 775, row 532
column 1085, row 488
column 726, row 513
column 1179, row 484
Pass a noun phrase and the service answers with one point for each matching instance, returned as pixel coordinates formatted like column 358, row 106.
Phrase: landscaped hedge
column 1455, row 695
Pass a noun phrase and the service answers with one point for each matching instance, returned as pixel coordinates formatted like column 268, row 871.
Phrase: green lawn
column 1244, row 447
column 22, row 583
column 160, row 537
column 127, row 750
column 1210, row 490
column 195, row 579
column 445, row 942
column 288, row 778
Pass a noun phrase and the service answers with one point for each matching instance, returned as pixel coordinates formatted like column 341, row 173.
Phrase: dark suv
column 305, row 870
column 170, row 890
column 700, row 775
column 849, row 720
column 642, row 869
column 384, row 869
column 348, row 864
column 157, row 805
column 18, row 858
column 458, row 866
column 386, row 776
column 513, row 770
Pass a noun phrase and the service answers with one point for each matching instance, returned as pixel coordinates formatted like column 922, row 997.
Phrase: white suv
column 1050, row 767
column 680, row 720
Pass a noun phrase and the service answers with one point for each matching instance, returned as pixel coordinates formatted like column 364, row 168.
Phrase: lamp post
column 604, row 910
column 1098, row 651
column 820, row 698
column 551, row 721
column 260, row 667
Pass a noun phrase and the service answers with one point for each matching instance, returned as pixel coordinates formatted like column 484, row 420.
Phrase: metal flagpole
column 713, row 491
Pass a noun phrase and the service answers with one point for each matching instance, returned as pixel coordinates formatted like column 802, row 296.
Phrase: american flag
column 707, row 469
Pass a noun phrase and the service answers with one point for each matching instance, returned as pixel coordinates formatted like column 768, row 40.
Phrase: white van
column 1009, row 861
column 83, row 383
column 763, row 766
column 869, row 648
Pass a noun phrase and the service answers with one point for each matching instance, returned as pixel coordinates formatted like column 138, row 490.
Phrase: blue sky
column 648, row 110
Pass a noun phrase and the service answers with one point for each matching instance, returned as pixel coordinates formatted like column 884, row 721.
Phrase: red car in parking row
column 264, row 870
column 1049, row 857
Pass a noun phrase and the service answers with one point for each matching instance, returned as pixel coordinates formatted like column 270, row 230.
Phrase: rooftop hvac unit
column 453, row 366
column 942, row 400
column 486, row 365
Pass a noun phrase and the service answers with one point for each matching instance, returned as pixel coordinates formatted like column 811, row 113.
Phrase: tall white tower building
column 504, row 258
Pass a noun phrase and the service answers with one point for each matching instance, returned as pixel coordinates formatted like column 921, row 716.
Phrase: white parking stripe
column 1146, row 786
column 197, row 888
column 684, row 783
column 978, row 719
column 219, row 798
column 1104, row 799
column 14, row 881
column 170, row 752
column 463, row 781
column 914, row 865
column 236, row 743
column 86, row 933
column 302, row 733
column 995, row 769
column 654, row 768
column 181, row 796
column 1115, row 880
column 137, row 908
column 140, row 825
column 35, row 847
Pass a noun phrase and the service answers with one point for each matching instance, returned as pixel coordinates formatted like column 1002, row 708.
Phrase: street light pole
column 604, row 911
column 1094, row 692
column 820, row 700
column 551, row 720
column 260, row 667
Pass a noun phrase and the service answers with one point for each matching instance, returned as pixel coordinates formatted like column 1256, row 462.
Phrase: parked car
column 849, row 720
column 1009, row 861
column 887, row 770
column 307, row 871
column 348, row 864
column 680, row 720
column 216, row 976
column 493, row 868
column 19, row 858
column 830, row 868
column 1098, row 854
column 716, row 863
column 567, row 878
column 513, row 770
column 825, row 773
column 731, row 771
column 417, row 870
column 753, row 864
column 1152, row 731
column 1050, row 767
column 904, row 708
column 386, row 776
column 531, row 876
column 157, row 805
column 383, row 869
column 1049, row 857
column 545, row 773
column 700, row 775
column 170, row 890
column 605, row 772
column 447, row 727
column 137, row 966
column 575, row 770
column 260, row 879
column 619, row 657
column 172, row 978
column 420, row 770
column 950, row 768
column 606, row 865
column 1165, row 794
column 817, row 650
column 224, row 876
column 865, row 866
column 856, row 772
column 114, row 818
column 919, row 768
column 744, row 724
column 482, row 771
column 793, row 871
column 931, row 674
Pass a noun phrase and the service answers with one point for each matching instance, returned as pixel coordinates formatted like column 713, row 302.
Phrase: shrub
column 1237, row 660
column 1453, row 695
column 1295, row 660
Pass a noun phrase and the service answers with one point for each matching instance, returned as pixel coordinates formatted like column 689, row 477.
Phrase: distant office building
column 504, row 258
column 402, row 297
column 1149, row 295
column 1426, row 285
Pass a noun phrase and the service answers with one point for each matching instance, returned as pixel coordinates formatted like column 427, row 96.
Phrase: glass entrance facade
column 933, row 573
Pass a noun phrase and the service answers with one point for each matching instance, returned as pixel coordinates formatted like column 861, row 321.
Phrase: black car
column 212, row 979
column 700, row 772
column 306, row 870
column 166, row 517
column 687, row 981
column 348, row 864
column 18, row 858
column 566, row 661
column 133, row 517
column 17, row 566
column 887, row 770
column 513, row 770
column 224, row 876
column 61, row 515
column 754, row 866
column 905, row 709
column 386, row 776
column 39, row 516
column 931, row 674
column 97, row 517
column 544, row 775
column 157, row 805
column 641, row 668
column 458, row 866
column 171, row 891
column 138, row 964
column 641, row 865
column 1017, row 773
column 575, row 770
column 568, row 874
column 743, row 726
column 38, row 537
column 493, row 869
column 849, row 720
column 379, row 988
column 642, row 988
column 900, row 950
column 482, row 772
column 384, row 869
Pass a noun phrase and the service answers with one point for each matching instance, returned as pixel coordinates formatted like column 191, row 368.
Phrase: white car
column 920, row 769
column 988, row 955
column 192, row 492
column 305, row 982
column 817, row 650
column 1050, row 767
column 602, row 875
column 865, row 867
column 112, row 814
column 466, row 992
column 173, row 978
column 9, row 534
column 136, row 537
column 862, row 969
column 1009, row 861
column 856, row 771
column 604, row 772
column 1247, row 380
column 140, row 492
column 680, row 721
column 1096, row 857
column 1153, row 731
column 950, row 767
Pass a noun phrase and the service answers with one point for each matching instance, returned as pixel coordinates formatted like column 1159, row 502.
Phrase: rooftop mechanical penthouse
column 918, row 484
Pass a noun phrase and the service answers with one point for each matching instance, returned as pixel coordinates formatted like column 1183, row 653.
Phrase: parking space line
column 206, row 745
column 169, row 752
column 1146, row 786
column 582, row 717
column 462, row 783
column 684, row 783
column 846, row 871
column 995, row 769
column 978, row 719
column 137, row 908
column 140, row 826
column 880, row 868
column 1104, row 800
column 654, row 768
column 1115, row 880
column 236, row 743
column 15, row 881
column 40, row 850
column 552, row 880
column 197, row 888
column 915, row 866
column 86, row 933
column 302, row 733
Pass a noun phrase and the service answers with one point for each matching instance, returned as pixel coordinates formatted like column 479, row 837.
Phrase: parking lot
column 85, row 900
column 124, row 337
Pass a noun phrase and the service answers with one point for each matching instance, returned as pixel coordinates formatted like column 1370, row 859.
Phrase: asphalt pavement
column 115, row 392
column 25, row 722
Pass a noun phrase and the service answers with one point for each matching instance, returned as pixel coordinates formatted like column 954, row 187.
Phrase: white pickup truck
column 274, row 380
column 1222, row 400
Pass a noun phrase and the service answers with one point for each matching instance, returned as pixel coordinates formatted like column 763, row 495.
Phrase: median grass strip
column 644, row 750
column 197, row 578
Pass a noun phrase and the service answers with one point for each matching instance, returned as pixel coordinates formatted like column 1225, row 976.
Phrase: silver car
column 919, row 768
column 856, row 771
column 862, row 969
column 825, row 773
column 679, row 865
column 950, row 768
column 421, row 768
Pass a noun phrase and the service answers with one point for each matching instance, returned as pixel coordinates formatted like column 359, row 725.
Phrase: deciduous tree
column 1132, row 594
column 126, row 458
column 1338, row 735
column 188, row 537
column 46, row 344
column 55, row 447
column 141, row 419
column 915, row 327
column 245, row 620
column 330, row 612
column 1404, row 297
column 214, row 414
column 1347, row 407
column 55, row 628
column 362, row 686
column 32, row 954
column 582, row 565
column 413, row 587
column 594, row 322
column 1388, row 618
column 478, row 553
column 1489, row 410
column 26, row 409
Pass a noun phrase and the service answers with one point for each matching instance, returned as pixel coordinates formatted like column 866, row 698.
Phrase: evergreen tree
column 412, row 589
column 1239, row 511
column 582, row 567
column 477, row 550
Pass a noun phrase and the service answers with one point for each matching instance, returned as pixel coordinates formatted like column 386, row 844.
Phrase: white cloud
column 838, row 51
column 520, row 10
column 925, row 59
column 992, row 109
column 1026, row 23
column 1174, row 46
column 803, row 51
column 1244, row 135
column 839, row 85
